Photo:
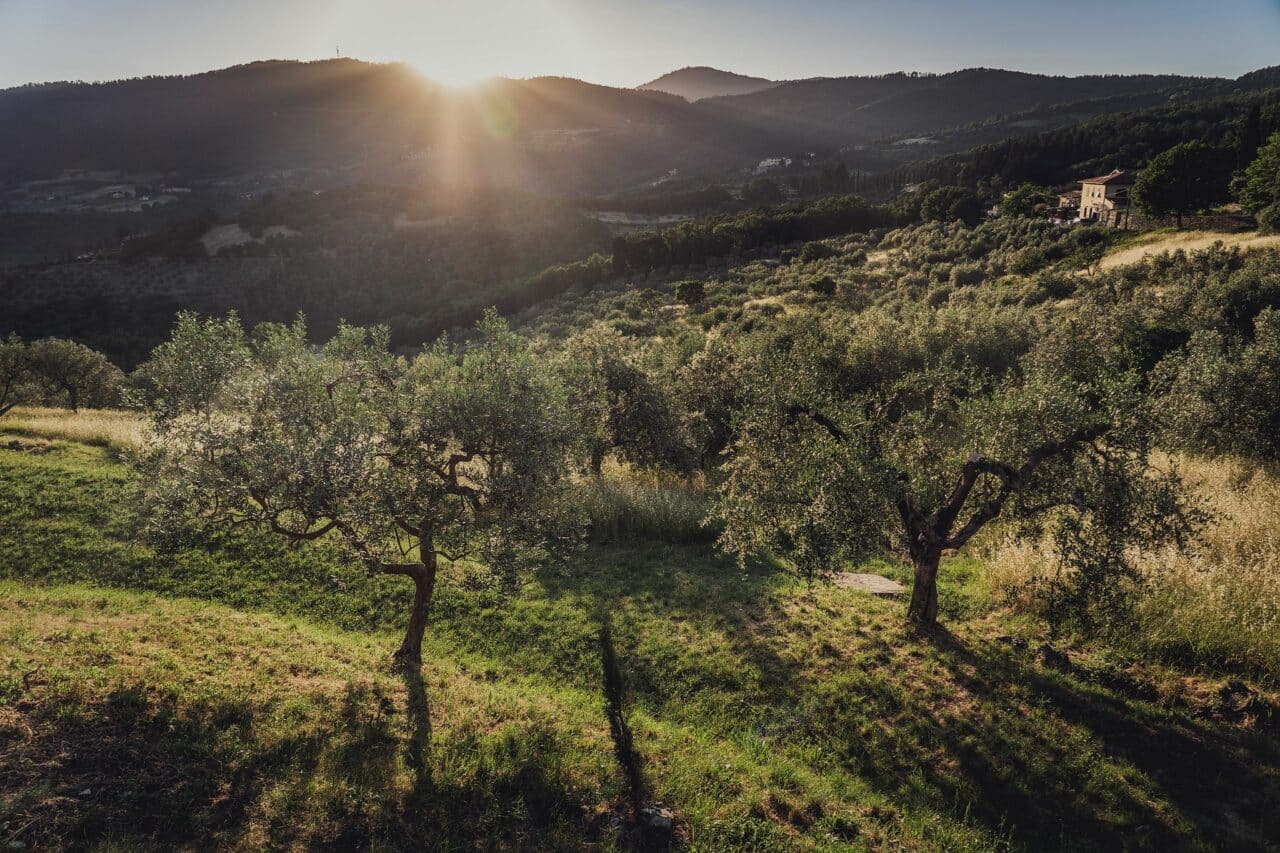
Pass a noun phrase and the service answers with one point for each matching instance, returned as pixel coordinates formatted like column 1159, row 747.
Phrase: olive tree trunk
column 424, row 584
column 923, row 609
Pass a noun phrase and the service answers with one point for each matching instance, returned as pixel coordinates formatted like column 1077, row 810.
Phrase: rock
column 874, row 584
column 658, row 818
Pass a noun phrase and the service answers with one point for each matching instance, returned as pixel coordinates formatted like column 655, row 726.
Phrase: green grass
column 236, row 694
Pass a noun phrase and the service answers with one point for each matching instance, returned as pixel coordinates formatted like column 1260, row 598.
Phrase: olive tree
column 619, row 407
column 454, row 454
column 1220, row 394
column 72, row 374
column 829, row 467
column 15, row 373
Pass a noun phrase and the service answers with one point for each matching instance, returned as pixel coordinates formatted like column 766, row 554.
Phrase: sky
column 627, row 42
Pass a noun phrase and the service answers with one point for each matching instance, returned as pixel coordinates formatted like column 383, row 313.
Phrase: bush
column 824, row 286
column 816, row 251
column 1269, row 219
column 965, row 275
column 691, row 292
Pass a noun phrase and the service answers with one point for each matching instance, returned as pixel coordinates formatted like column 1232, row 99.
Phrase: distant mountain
column 862, row 109
column 271, row 116
column 358, row 121
column 694, row 84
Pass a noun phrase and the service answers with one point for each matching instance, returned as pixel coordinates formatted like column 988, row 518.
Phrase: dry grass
column 1187, row 241
column 627, row 503
column 1217, row 604
column 98, row 427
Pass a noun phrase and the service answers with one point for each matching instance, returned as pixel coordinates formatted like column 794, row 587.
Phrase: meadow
column 236, row 693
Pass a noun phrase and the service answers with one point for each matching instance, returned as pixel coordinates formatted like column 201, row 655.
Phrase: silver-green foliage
column 455, row 453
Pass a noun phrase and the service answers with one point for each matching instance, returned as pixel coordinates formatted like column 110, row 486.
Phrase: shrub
column 1269, row 219
column 691, row 292
column 816, row 251
column 824, row 286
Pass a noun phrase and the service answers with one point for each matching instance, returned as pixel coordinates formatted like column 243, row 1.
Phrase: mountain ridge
column 698, row 82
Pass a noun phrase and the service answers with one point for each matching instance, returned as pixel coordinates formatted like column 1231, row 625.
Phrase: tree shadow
column 418, row 744
column 140, row 768
column 1049, row 759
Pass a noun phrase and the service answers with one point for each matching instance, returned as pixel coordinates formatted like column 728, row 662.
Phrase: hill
column 356, row 121
column 234, row 695
column 862, row 109
column 696, row 83
column 342, row 114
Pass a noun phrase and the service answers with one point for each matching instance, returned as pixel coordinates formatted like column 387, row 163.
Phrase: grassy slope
column 772, row 716
column 1167, row 240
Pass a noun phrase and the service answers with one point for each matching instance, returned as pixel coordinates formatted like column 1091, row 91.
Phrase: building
column 1105, row 199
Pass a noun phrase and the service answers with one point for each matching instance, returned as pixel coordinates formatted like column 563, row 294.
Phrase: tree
column 15, row 374
column 1249, row 139
column 1023, row 200
column 1220, row 394
column 947, row 204
column 1186, row 178
column 761, row 191
column 618, row 405
column 1261, row 187
column 455, row 454
column 74, row 375
column 829, row 467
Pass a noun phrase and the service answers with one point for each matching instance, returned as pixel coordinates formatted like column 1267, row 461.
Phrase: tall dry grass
column 624, row 503
column 99, row 427
column 1216, row 604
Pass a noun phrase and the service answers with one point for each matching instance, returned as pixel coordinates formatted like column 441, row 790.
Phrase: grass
column 1170, row 240
column 627, row 504
column 97, row 427
column 1216, row 605
column 236, row 694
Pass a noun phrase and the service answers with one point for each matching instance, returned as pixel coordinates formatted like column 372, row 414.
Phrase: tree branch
column 1012, row 481
column 832, row 429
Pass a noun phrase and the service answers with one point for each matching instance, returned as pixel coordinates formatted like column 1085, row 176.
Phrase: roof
column 1070, row 194
column 1118, row 176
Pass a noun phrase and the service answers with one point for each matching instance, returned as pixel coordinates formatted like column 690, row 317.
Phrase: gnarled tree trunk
column 923, row 609
column 424, row 583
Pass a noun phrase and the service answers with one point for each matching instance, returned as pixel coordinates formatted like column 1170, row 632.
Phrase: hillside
column 864, row 109
column 350, row 120
column 343, row 113
column 694, row 84
column 234, row 694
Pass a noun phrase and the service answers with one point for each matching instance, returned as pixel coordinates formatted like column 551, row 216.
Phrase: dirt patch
column 874, row 584
column 37, row 446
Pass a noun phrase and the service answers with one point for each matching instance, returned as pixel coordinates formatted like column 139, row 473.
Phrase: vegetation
column 1261, row 186
column 1187, row 178
column 655, row 491
column 771, row 716
column 453, row 455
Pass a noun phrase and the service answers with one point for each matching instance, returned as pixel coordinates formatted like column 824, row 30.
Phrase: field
column 237, row 694
column 1160, row 242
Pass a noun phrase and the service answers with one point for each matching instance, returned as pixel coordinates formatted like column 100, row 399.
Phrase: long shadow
column 139, row 769
column 418, row 745
column 1024, row 745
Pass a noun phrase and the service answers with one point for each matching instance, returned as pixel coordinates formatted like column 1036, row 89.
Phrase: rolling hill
column 694, row 84
column 862, row 109
column 546, row 133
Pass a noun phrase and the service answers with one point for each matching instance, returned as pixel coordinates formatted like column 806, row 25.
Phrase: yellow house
column 1106, row 197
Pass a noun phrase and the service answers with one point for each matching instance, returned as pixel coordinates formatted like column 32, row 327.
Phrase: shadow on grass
column 137, row 769
column 1049, row 760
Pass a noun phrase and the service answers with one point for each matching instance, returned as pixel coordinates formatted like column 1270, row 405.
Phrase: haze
column 625, row 42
